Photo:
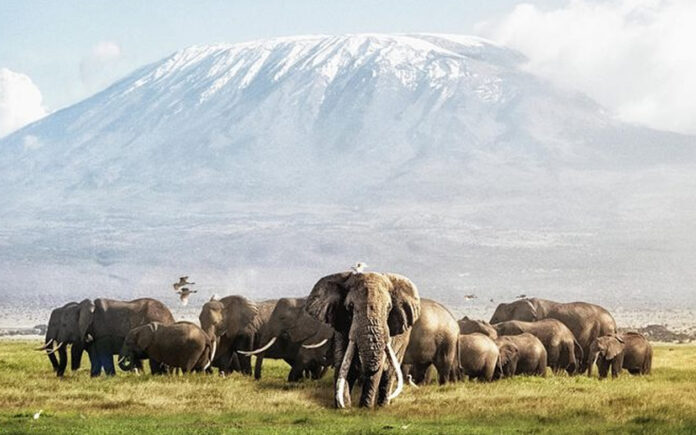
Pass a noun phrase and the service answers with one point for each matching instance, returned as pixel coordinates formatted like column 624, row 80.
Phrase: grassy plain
column 664, row 402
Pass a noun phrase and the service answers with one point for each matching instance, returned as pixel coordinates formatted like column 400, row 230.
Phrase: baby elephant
column 182, row 345
column 531, row 357
column 478, row 356
column 629, row 350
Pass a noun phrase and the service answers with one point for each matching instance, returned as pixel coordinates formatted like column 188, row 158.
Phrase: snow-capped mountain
column 263, row 164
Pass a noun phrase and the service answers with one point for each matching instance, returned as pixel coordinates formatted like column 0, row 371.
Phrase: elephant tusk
column 45, row 346
column 257, row 351
column 55, row 348
column 410, row 381
column 120, row 360
column 212, row 355
column 399, row 376
column 316, row 345
column 343, row 373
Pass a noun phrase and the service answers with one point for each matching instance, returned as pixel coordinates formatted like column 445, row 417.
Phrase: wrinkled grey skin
column 368, row 310
column 586, row 321
column 58, row 331
column 508, row 357
column 478, row 356
column 564, row 352
column 292, row 327
column 180, row 345
column 629, row 350
column 607, row 352
column 105, row 323
column 236, row 322
column 532, row 355
column 469, row 326
column 434, row 341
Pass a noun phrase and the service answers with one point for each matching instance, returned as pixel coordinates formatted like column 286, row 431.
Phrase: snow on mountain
column 263, row 164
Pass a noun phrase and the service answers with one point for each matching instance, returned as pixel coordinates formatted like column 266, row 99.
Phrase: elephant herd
column 372, row 328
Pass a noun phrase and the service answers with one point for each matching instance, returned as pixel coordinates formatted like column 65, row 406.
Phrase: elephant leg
column 554, row 359
column 258, row 366
column 94, row 360
column 603, row 368
column 420, row 373
column 616, row 367
column 156, row 368
column 296, row 372
column 62, row 360
column 106, row 359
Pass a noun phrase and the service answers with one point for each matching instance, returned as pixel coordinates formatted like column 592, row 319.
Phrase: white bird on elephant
column 358, row 268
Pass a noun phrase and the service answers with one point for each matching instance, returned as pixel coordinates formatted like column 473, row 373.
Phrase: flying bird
column 182, row 282
column 358, row 268
column 522, row 296
column 184, row 294
column 470, row 297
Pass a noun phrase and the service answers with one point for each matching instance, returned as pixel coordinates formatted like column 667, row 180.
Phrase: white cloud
column 96, row 67
column 634, row 56
column 20, row 101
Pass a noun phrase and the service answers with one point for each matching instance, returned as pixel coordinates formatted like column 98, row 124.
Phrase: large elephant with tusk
column 236, row 322
column 300, row 339
column 372, row 314
column 60, row 335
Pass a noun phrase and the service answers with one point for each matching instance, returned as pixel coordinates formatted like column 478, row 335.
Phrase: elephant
column 180, row 345
column 372, row 315
column 469, row 326
column 56, row 341
column 303, row 341
column 630, row 350
column 532, row 355
column 236, row 322
column 586, row 321
column 508, row 358
column 563, row 350
column 105, row 323
column 478, row 356
column 434, row 341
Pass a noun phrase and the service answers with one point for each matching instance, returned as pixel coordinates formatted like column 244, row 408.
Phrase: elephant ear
column 614, row 348
column 85, row 317
column 533, row 309
column 325, row 301
column 239, row 313
column 405, row 304
column 145, row 334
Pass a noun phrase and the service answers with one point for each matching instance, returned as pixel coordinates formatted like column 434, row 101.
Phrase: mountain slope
column 277, row 160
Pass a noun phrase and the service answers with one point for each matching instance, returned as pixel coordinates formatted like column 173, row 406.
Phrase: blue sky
column 635, row 57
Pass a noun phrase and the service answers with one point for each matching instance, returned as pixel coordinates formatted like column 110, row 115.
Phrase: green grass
column 664, row 402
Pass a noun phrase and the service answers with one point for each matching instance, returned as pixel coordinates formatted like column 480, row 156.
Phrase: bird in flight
column 358, row 268
column 184, row 294
column 522, row 296
column 470, row 297
column 182, row 282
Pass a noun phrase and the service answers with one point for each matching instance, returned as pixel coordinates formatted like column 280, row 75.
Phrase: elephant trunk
column 372, row 344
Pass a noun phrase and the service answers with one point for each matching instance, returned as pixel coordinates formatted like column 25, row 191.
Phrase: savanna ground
column 664, row 402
